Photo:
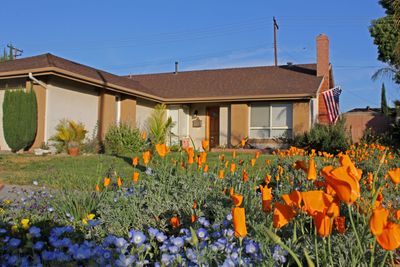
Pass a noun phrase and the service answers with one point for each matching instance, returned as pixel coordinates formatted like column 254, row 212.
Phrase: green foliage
column 123, row 139
column 19, row 118
column 384, row 106
column 386, row 34
column 159, row 125
column 329, row 138
column 91, row 144
column 7, row 56
column 69, row 133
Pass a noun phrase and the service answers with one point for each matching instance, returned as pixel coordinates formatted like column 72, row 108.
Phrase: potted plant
column 71, row 134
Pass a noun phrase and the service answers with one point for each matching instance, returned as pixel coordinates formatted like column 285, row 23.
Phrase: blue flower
column 191, row 255
column 279, row 254
column 203, row 221
column 3, row 231
column 166, row 259
column 251, row 248
column 121, row 243
column 173, row 249
column 38, row 245
column 82, row 253
column 124, row 261
column 137, row 237
column 14, row 242
column 229, row 217
column 161, row 237
column 48, row 255
column 12, row 260
column 34, row 231
column 50, row 209
column 178, row 241
column 202, row 233
column 228, row 263
column 108, row 240
column 153, row 232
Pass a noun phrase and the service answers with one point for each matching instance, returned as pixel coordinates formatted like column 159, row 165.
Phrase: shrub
column 329, row 138
column 69, row 133
column 19, row 118
column 122, row 139
column 91, row 144
column 159, row 125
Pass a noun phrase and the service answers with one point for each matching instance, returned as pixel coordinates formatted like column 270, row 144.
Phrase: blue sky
column 125, row 37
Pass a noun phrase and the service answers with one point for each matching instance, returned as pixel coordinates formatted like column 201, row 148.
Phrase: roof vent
column 176, row 67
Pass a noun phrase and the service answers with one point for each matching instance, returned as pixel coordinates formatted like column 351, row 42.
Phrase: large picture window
column 270, row 120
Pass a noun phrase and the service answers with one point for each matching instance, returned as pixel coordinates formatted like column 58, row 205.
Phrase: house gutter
column 36, row 80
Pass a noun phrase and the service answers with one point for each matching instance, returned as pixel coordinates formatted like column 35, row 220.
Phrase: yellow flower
column 89, row 217
column 25, row 224
column 7, row 201
column 14, row 229
column 2, row 211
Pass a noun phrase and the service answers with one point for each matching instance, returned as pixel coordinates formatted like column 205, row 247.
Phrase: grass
column 82, row 172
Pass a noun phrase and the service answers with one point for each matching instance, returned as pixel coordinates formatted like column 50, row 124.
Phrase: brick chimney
column 322, row 55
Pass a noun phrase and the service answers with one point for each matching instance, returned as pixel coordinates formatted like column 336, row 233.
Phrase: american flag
column 331, row 98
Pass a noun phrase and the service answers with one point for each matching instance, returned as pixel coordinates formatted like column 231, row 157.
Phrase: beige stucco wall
column 301, row 117
column 41, row 95
column 107, row 112
column 239, row 122
column 70, row 100
column 224, row 125
column 197, row 133
column 144, row 108
column 128, row 110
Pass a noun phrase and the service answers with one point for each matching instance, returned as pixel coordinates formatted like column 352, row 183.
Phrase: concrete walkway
column 14, row 192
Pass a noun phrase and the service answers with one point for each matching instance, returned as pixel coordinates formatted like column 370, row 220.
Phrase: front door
column 213, row 126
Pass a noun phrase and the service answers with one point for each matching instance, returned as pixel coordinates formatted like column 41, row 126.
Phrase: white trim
column 118, row 109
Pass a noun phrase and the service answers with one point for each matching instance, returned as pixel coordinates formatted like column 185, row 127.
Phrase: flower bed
column 296, row 208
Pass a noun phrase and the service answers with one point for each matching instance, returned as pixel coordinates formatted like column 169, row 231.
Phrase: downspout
column 36, row 80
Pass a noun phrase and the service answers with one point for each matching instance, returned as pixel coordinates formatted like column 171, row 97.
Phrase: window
column 270, row 120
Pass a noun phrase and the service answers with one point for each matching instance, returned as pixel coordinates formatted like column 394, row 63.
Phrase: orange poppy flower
column 245, row 176
column 222, row 157
column 144, row 135
column 340, row 224
column 268, row 178
column 231, row 191
column 239, row 221
column 280, row 169
column 174, row 221
column 162, row 150
column 378, row 220
column 334, row 209
column 226, row 163
column 266, row 198
column 205, row 144
column 135, row 161
column 119, row 182
column 301, row 164
column 282, row 215
column 243, row 142
column 237, row 199
column 205, row 169
column 193, row 219
column 194, row 205
column 390, row 237
column 315, row 201
column 312, row 171
column 106, row 181
column 221, row 174
column 257, row 154
column 135, row 177
column 379, row 200
column 267, row 162
column 293, row 199
column 345, row 185
column 397, row 214
column 203, row 157
column 234, row 154
column 233, row 167
column 395, row 175
column 97, row 188
column 190, row 159
column 252, row 162
column 345, row 161
column 146, row 157
column 322, row 223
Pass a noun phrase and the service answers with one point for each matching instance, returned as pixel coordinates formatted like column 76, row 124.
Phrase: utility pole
column 15, row 51
column 275, row 48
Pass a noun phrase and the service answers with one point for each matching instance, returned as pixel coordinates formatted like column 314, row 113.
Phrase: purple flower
column 137, row 237
column 38, row 245
column 123, row 260
column 153, row 232
column 202, row 233
column 173, row 249
column 161, row 237
column 14, row 242
column 251, row 248
column 177, row 241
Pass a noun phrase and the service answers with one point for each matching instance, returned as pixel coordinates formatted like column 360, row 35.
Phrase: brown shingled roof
column 289, row 80
column 283, row 82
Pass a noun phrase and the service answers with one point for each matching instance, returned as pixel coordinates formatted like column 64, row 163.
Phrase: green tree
column 386, row 34
column 158, row 124
column 7, row 55
column 384, row 106
column 19, row 118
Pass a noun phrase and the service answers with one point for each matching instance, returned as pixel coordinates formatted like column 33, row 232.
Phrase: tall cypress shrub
column 19, row 118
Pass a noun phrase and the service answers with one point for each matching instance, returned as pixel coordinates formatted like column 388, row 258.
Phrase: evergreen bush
column 329, row 138
column 123, row 139
column 19, row 118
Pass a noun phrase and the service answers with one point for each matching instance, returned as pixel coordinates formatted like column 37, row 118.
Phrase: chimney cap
column 176, row 67
column 322, row 36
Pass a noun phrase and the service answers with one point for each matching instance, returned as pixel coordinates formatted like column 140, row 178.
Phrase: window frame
column 270, row 128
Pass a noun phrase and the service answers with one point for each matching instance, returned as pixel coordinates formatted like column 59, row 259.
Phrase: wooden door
column 213, row 126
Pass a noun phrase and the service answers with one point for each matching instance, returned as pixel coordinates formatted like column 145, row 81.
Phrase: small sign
column 196, row 123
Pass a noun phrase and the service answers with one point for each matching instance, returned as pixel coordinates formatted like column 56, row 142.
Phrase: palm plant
column 158, row 125
column 70, row 133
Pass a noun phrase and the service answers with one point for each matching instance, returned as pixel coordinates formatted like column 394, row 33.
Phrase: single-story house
column 358, row 120
column 223, row 105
